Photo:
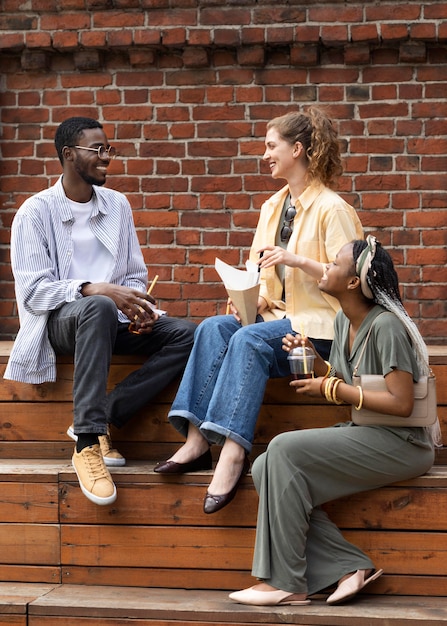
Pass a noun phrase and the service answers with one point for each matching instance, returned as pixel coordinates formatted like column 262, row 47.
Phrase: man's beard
column 89, row 179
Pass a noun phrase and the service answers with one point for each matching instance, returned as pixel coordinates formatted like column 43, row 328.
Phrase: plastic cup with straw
column 132, row 326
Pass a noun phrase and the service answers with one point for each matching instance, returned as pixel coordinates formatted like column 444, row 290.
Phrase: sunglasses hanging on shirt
column 286, row 230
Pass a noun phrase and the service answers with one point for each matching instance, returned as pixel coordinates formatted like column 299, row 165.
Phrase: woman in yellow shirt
column 300, row 229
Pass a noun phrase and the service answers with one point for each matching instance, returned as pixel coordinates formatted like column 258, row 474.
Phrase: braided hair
column 379, row 282
column 375, row 268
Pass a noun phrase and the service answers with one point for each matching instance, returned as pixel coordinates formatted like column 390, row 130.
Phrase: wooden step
column 156, row 534
column 62, row 605
column 35, row 417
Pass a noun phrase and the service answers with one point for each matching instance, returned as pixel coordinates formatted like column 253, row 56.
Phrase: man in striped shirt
column 80, row 278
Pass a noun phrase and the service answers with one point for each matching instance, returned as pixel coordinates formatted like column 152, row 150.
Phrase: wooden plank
column 30, row 573
column 422, row 553
column 156, row 546
column 14, row 597
column 389, row 584
column 26, row 470
column 29, row 503
column 13, row 620
column 36, row 421
column 172, row 578
column 392, row 508
column 204, row 607
column 402, row 508
column 171, row 504
column 29, row 544
column 61, row 390
column 36, row 450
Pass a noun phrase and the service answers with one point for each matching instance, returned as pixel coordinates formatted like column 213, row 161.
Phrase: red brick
column 427, row 31
column 224, row 16
column 253, row 55
column 195, row 57
column 120, row 38
column 252, row 36
column 65, row 40
column 199, row 37
column 365, row 32
column 121, row 20
column 38, row 40
column 173, row 37
column 304, row 55
column 394, row 32
column 357, row 55
column 65, row 22
column 334, row 35
column 146, row 37
column 11, row 41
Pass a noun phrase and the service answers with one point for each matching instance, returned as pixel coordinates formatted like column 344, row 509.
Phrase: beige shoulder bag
column 425, row 403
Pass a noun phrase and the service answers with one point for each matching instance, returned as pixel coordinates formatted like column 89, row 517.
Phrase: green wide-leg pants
column 298, row 549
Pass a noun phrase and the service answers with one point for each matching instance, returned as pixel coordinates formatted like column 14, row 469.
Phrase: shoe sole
column 107, row 460
column 91, row 496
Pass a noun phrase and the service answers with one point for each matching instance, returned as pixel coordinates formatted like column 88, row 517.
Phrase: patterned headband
column 363, row 265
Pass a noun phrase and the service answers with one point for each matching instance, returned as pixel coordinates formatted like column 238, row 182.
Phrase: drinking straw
column 152, row 285
column 303, row 344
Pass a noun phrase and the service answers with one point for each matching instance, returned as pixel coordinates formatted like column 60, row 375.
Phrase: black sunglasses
column 286, row 230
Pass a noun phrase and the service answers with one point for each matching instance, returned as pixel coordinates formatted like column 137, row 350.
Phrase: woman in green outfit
column 298, row 550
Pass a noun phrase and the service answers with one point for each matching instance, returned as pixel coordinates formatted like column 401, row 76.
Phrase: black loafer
column 203, row 462
column 211, row 503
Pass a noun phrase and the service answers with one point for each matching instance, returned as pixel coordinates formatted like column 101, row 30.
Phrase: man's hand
column 130, row 301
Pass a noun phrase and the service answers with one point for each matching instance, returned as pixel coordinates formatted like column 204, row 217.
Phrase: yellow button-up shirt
column 323, row 224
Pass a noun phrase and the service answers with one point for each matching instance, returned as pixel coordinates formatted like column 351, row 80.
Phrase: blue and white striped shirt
column 41, row 252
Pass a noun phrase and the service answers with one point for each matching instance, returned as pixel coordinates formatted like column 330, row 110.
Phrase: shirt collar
column 65, row 210
column 307, row 198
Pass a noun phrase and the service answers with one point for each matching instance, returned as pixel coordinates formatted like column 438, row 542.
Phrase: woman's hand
column 231, row 309
column 289, row 342
column 262, row 305
column 308, row 386
column 275, row 255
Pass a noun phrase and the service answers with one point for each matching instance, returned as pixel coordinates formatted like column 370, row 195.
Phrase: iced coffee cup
column 301, row 362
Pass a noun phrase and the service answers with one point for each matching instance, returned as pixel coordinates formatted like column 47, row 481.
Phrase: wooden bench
column 156, row 536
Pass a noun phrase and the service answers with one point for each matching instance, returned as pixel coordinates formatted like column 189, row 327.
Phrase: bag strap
column 356, row 367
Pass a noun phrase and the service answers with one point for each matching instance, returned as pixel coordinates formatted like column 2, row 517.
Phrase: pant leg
column 86, row 328
column 254, row 355
column 199, row 379
column 297, row 548
column 168, row 347
column 223, row 385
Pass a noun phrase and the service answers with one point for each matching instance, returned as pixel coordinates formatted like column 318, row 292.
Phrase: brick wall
column 185, row 88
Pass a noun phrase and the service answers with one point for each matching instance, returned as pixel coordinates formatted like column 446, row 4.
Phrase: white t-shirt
column 91, row 259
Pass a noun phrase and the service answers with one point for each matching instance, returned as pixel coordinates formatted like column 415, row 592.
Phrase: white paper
column 237, row 280
column 242, row 287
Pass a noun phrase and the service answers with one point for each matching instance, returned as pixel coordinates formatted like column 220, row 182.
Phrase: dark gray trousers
column 88, row 329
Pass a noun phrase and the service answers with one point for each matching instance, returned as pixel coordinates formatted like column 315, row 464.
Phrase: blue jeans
column 223, row 385
column 89, row 330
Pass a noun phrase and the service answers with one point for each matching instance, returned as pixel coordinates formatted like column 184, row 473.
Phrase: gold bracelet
column 329, row 367
column 334, row 391
column 360, row 404
column 328, row 388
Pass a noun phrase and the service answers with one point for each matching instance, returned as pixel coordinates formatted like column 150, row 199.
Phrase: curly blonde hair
column 315, row 131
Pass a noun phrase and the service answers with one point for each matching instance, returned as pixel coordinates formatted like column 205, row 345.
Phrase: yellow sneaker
column 112, row 457
column 94, row 477
column 110, row 454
